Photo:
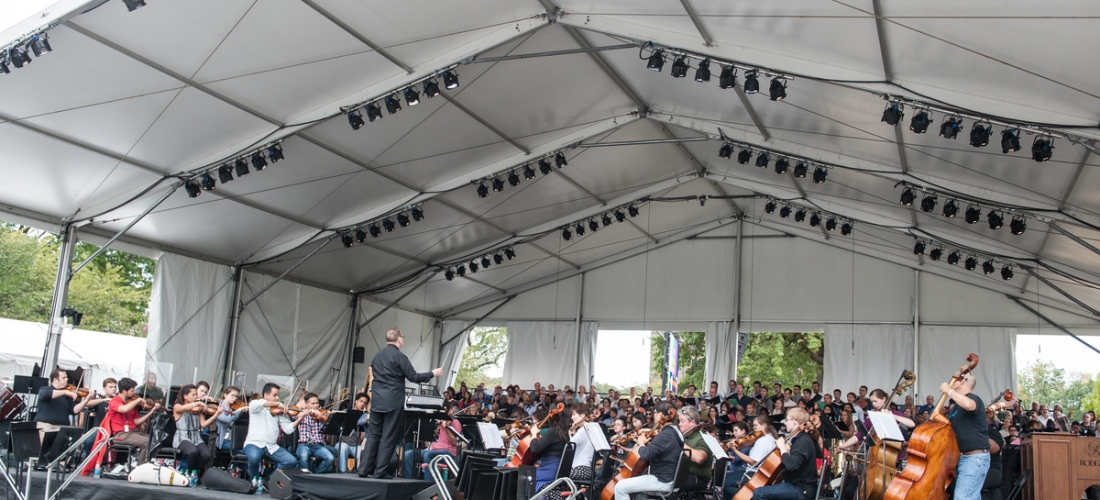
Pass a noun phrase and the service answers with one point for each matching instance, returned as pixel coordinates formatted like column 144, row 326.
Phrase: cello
column 633, row 465
column 882, row 458
column 771, row 469
column 523, row 456
column 933, row 453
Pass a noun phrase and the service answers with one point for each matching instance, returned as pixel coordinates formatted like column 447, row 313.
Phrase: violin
column 81, row 392
column 145, row 403
column 290, row 411
column 321, row 415
column 743, row 441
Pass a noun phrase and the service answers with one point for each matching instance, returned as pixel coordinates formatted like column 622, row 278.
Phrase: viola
column 633, row 465
column 523, row 456
column 771, row 470
column 741, row 442
column 933, row 453
column 882, row 459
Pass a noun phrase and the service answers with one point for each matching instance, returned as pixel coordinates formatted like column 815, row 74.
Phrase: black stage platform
column 316, row 487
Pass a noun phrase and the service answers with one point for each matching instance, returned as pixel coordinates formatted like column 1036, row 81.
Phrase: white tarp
column 454, row 345
column 870, row 355
column 106, row 354
column 421, row 338
column 721, row 351
column 541, row 351
column 586, row 358
column 943, row 350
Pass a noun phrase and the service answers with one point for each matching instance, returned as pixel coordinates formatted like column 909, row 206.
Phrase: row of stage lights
column 513, row 176
column 727, row 78
column 484, row 261
column 782, row 163
column 973, row 214
column 392, row 101
column 815, row 219
column 259, row 159
column 579, row 228
column 388, row 223
column 18, row 53
column 1042, row 148
column 953, row 258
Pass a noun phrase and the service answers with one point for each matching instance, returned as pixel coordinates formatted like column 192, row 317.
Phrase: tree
column 1047, row 384
column 1092, row 401
column 789, row 357
column 693, row 360
column 485, row 348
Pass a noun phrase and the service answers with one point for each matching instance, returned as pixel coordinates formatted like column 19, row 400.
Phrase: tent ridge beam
column 358, row 36
column 1052, row 323
column 550, row 53
column 756, row 120
column 396, row 301
column 469, row 112
column 1034, row 272
column 880, row 30
column 695, row 19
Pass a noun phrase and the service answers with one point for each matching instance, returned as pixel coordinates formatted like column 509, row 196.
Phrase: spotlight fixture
column 509, row 253
column 360, row 235
column 656, row 60
column 375, row 231
column 620, row 216
column 801, row 170
column 918, row 249
column 18, row 57
column 393, row 104
column 559, row 160
column 566, row 234
column 950, row 128
column 132, row 5
column 928, row 203
column 953, row 258
column 950, row 208
column 1010, row 140
column 528, row 172
column 208, row 182
column 1018, row 225
column 1042, row 148
column 450, row 79
column 744, row 156
column 830, row 225
column 431, row 88
column 482, row 191
column 778, row 89
column 935, row 254
column 781, row 165
column 769, row 207
column 498, row 258
column 387, row 224
column 919, row 123
column 241, row 167
column 987, row 267
column 412, row 97
column 703, row 73
column 995, row 219
column 846, row 228
column 544, row 167
column 815, row 220
column 979, row 134
column 513, row 178
column 893, row 114
column 374, row 112
column 728, row 78
column 40, row 45
column 4, row 70
column 819, row 175
column 632, row 210
column 973, row 214
column 356, row 120
column 450, row 274
column 752, row 85
column 498, row 184
column 579, row 228
column 762, row 160
column 485, row 262
column 785, row 212
column 606, row 219
column 418, row 214
column 225, row 173
column 726, row 151
column 460, row 270
column 258, row 161
column 347, row 239
column 971, row 263
column 907, row 197
column 403, row 219
column 1006, row 272
column 593, row 225
column 800, row 215
column 473, row 266
column 275, row 153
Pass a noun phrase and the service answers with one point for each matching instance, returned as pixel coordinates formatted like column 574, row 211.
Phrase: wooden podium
column 1062, row 465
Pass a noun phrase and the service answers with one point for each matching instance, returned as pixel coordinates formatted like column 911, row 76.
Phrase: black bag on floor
column 220, row 480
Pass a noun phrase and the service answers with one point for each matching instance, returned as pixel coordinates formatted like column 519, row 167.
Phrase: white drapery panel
column 586, row 358
column 454, row 335
column 943, row 350
column 870, row 355
column 721, row 348
column 541, row 351
column 189, row 308
column 420, row 332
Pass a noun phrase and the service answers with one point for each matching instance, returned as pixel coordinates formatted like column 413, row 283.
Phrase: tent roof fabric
column 129, row 102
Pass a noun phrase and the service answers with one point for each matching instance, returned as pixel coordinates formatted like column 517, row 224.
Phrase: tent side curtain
column 420, row 333
column 721, row 351
column 943, row 350
column 870, row 355
column 450, row 356
column 189, row 308
column 541, row 351
column 586, row 358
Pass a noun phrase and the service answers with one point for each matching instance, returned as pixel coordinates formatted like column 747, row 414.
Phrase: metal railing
column 434, row 470
column 76, row 472
column 550, row 487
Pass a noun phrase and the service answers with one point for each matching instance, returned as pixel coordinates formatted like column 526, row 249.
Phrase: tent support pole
column 234, row 322
column 103, row 248
column 737, row 293
column 349, row 348
column 580, row 310
column 916, row 331
column 1052, row 323
column 60, row 296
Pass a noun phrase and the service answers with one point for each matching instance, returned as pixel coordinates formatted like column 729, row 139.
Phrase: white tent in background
column 102, row 355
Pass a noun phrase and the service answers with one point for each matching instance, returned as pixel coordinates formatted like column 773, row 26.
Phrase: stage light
column 579, row 228
column 593, row 225
column 744, row 156
column 1042, row 148
column 4, row 69
column 485, row 262
column 528, row 172
column 40, row 45
column 193, row 188
column 620, row 216
column 1018, row 225
column 728, row 78
column 450, row 275
column 726, row 151
column 918, row 249
column 919, row 123
column 846, row 228
column 275, row 153
column 513, row 178
column 544, row 167
column 208, row 183
column 1010, row 140
column 375, row 231
column 656, row 60
column 360, row 235
column 752, row 85
column 950, row 208
column 781, row 165
column 473, row 266
column 935, row 254
column 928, row 203
column 762, row 160
column 347, row 239
column 785, row 212
column 482, row 191
column 971, row 263
column 950, row 128
column 393, row 104
column 606, row 219
column 431, row 88
column 953, row 258
column 907, row 197
column 987, row 267
column 225, row 173
column 418, row 214
column 703, row 73
column 510, row 253
column 632, row 210
column 559, row 160
column 819, row 175
column 132, row 5
column 892, row 114
column 995, row 219
column 769, row 207
column 973, row 214
column 778, row 89
column 566, row 234
column 412, row 97
column 258, row 161
column 801, row 170
column 498, row 184
column 450, row 79
column 815, row 220
column 403, row 219
column 387, row 224
column 460, row 270
column 18, row 57
column 1006, row 273
column 356, row 120
column 374, row 112
column 979, row 135
column 800, row 215
column 498, row 258
column 830, row 225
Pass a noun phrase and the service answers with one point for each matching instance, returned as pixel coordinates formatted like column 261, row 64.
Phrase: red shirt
column 117, row 421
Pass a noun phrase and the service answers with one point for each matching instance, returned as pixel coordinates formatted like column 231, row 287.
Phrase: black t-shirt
column 548, row 444
column 995, row 458
column 100, row 412
column 971, row 428
column 53, row 410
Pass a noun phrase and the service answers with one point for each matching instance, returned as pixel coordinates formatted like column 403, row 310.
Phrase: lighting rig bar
column 727, row 79
column 605, row 219
column 953, row 205
column 391, row 100
column 483, row 261
column 782, row 161
column 525, row 170
column 832, row 223
column 936, row 252
column 197, row 181
column 18, row 53
column 402, row 217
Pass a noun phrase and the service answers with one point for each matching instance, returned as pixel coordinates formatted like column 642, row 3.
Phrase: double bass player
column 971, row 430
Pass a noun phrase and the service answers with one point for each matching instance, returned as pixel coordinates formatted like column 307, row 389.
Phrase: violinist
column 58, row 402
column 702, row 460
column 737, row 467
column 753, row 459
column 263, row 432
column 878, row 403
column 311, row 443
column 98, row 406
column 799, row 461
column 662, row 453
column 581, row 469
column 189, row 413
column 971, row 431
column 549, row 444
column 124, row 417
column 445, row 444
column 228, row 416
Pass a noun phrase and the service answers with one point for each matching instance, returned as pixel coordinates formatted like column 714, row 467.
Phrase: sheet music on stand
column 886, row 427
column 595, row 434
column 490, row 435
column 714, row 445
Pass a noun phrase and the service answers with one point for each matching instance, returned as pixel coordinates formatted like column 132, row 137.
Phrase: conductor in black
column 391, row 368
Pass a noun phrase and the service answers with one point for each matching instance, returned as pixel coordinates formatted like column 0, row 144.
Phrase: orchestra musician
column 581, row 469
column 968, row 420
column 549, row 444
column 56, row 403
column 263, row 432
column 663, row 454
column 799, row 461
column 98, row 406
column 311, row 443
column 188, row 438
column 349, row 443
column 445, row 444
column 878, row 402
column 227, row 416
column 149, row 389
column 751, row 461
column 124, row 417
column 702, row 460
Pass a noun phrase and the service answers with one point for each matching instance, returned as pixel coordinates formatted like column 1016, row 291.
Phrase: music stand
column 24, row 384
column 829, row 430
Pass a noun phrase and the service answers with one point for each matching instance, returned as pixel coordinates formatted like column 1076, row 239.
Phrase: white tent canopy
column 102, row 355
column 128, row 103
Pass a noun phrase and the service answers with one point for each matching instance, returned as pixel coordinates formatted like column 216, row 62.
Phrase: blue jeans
column 734, row 478
column 283, row 459
column 315, row 450
column 970, row 475
column 781, row 491
column 346, row 452
column 426, row 457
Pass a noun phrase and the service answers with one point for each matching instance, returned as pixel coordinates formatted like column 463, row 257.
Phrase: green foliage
column 789, row 357
column 1092, row 401
column 1046, row 383
column 485, row 348
column 693, row 360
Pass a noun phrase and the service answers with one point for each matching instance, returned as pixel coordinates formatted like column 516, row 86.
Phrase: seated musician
column 56, row 404
column 227, row 417
column 124, row 417
column 751, row 461
column 548, row 446
column 311, row 443
column 878, row 403
column 98, row 406
column 702, row 459
column 663, row 454
column 445, row 444
column 799, row 461
column 149, row 389
column 581, row 469
column 263, row 432
column 349, row 443
column 190, row 417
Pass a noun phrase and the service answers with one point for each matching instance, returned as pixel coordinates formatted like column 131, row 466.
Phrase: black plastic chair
column 822, row 478
column 1019, row 485
column 679, row 480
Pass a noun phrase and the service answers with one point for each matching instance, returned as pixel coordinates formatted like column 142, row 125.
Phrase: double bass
column 633, row 465
column 882, row 458
column 771, row 470
column 933, row 453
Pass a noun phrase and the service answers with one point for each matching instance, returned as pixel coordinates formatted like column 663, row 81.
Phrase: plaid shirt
column 309, row 431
